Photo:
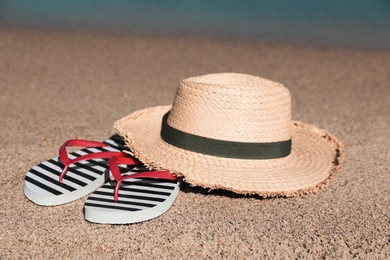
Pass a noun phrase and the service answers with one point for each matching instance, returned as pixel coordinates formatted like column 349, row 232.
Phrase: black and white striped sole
column 42, row 185
column 139, row 200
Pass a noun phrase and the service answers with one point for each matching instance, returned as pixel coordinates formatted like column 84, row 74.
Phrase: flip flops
column 69, row 177
column 136, row 194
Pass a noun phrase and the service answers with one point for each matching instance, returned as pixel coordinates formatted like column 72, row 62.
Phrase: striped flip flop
column 71, row 176
column 135, row 195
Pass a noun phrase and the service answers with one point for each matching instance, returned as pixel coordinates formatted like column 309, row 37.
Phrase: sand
column 55, row 86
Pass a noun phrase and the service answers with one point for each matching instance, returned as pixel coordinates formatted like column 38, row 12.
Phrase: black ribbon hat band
column 221, row 148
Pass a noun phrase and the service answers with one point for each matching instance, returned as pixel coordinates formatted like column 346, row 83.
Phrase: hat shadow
column 187, row 188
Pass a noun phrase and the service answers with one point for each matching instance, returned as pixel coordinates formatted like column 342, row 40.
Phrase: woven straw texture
column 242, row 108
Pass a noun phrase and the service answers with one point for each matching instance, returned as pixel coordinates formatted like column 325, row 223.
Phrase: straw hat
column 233, row 131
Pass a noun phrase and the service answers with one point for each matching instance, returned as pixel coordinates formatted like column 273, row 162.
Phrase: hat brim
column 316, row 156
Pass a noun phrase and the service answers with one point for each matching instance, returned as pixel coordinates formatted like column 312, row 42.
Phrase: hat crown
column 232, row 107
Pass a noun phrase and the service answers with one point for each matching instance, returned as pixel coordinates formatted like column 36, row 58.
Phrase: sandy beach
column 60, row 85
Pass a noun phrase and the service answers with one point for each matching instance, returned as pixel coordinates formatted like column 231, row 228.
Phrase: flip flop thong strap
column 122, row 159
column 66, row 161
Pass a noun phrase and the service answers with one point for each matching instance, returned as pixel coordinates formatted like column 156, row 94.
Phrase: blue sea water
column 337, row 23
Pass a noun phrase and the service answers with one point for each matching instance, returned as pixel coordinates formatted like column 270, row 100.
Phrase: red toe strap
column 121, row 159
column 84, row 143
